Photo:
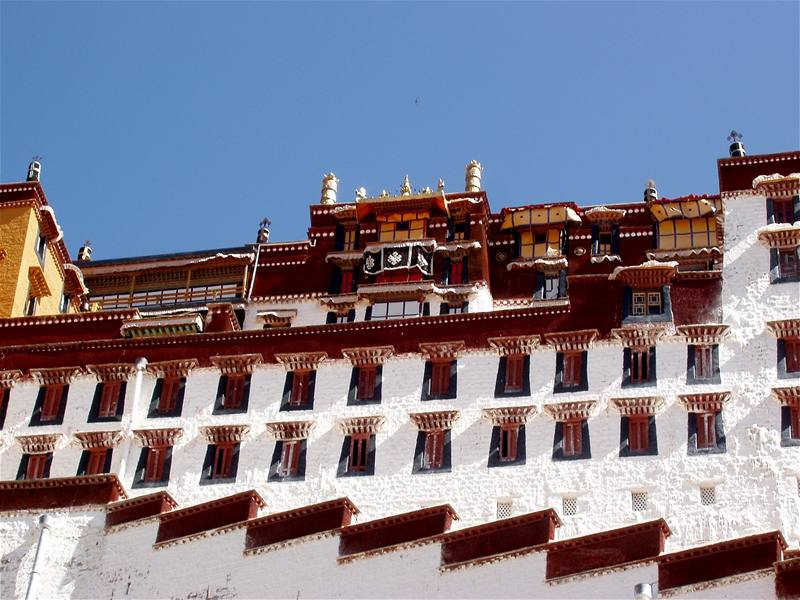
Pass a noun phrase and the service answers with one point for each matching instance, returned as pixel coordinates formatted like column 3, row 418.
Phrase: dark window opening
column 288, row 461
column 35, row 466
column 571, row 440
column 50, row 405
column 508, row 443
column 300, row 387
column 95, row 461
column 233, row 394
column 706, row 433
column 41, row 247
column 359, row 450
column 788, row 358
column 153, row 467
column 367, row 376
column 638, row 436
column 783, row 210
column 573, row 364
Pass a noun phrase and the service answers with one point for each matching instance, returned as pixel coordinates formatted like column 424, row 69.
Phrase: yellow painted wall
column 19, row 230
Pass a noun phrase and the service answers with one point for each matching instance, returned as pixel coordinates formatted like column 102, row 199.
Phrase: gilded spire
column 405, row 189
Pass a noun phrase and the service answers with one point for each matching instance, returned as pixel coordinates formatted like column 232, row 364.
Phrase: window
column 35, row 466
column 334, row 317
column 41, row 248
column 790, row 425
column 513, row 376
column 507, row 445
column 571, row 441
column 233, row 394
column 290, row 457
column 365, row 386
column 708, row 495
column 571, row 372
column 108, row 401
column 95, row 461
column 298, row 390
column 346, row 285
column 300, row 387
column 402, row 230
column 167, row 397
column 63, row 306
column 358, row 452
column 782, row 210
column 288, row 461
column 439, row 381
column 515, row 364
column 706, row 433
column 30, row 306
column 550, row 286
column 505, row 509
column 703, row 364
column 5, row 396
column 638, row 436
column 383, row 311
column 539, row 244
column 458, row 272
column 646, row 303
column 50, row 405
column 605, row 240
column 154, row 467
column 638, row 501
column 788, row 358
column 674, row 234
column 569, row 505
column 788, row 264
column 346, row 239
column 221, row 463
column 432, row 452
column 639, row 366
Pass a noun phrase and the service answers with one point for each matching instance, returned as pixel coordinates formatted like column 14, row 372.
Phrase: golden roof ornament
column 405, row 189
column 329, row 187
column 384, row 194
column 440, row 185
column 472, row 176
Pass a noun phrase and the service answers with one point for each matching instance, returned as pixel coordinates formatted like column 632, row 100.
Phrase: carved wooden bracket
column 567, row 341
column 98, row 439
column 570, row 411
column 238, row 364
column 172, row 368
column 301, row 361
column 782, row 236
column 58, row 376
column 639, row 336
column 787, row 328
column 354, row 425
column 643, row 405
column 521, row 344
column 158, row 438
column 706, row 334
column 649, row 274
column 787, row 396
column 112, row 372
column 9, row 378
column 510, row 415
column 441, row 350
column 225, row 434
column 599, row 215
column 367, row 356
column 290, row 430
column 39, row 444
column 702, row 403
column 434, row 421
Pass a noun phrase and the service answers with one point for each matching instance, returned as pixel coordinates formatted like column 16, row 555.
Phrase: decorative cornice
column 301, row 361
column 643, row 405
column 570, row 411
column 158, row 438
column 521, row 344
column 545, row 264
column 602, row 214
column 567, row 341
column 112, row 372
column 277, row 317
column 708, row 334
column 163, row 326
column 39, row 444
column 787, row 396
column 38, row 282
column 57, row 376
column 441, row 350
column 639, row 336
column 457, row 249
column 706, row 402
column 9, row 378
column 348, row 258
column 224, row 434
column 98, row 439
column 509, row 415
column 783, row 236
column 237, row 364
column 172, row 368
column 787, row 328
column 356, row 425
column 290, row 430
column 648, row 274
column 368, row 356
column 386, row 291
column 434, row 421
column 777, row 185
column 685, row 255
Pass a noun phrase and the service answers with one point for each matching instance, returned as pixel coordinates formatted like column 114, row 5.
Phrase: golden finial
column 472, row 176
column 405, row 189
column 329, row 187
column 440, row 185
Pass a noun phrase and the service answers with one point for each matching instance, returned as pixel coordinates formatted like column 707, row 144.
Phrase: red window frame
column 515, row 369
column 509, row 435
column 346, row 286
column 109, row 397
column 794, row 422
column 234, row 391
column 456, row 272
column 367, row 376
column 639, row 433
column 706, row 429
column 154, row 463
column 51, row 403
column 170, row 391
column 37, row 463
column 703, row 362
column 440, row 377
column 783, row 210
column 223, row 461
column 572, row 371
column 96, row 461
column 639, row 365
column 791, row 350
column 290, row 458
column 359, row 453
column 301, row 382
column 572, row 438
column 433, row 453
column 788, row 265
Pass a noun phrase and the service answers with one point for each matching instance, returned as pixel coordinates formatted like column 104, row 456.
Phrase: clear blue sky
column 178, row 126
